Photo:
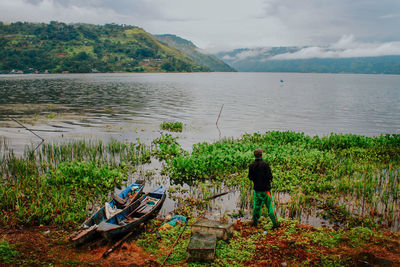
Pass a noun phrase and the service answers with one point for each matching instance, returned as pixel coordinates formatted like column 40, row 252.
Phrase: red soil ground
column 44, row 245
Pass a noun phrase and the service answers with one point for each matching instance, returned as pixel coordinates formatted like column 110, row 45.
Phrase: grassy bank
column 61, row 184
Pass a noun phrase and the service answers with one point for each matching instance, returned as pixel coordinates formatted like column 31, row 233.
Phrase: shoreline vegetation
column 353, row 181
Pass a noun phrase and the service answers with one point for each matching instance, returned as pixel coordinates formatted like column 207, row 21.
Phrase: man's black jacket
column 261, row 175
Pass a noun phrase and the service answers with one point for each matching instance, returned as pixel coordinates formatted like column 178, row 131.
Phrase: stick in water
column 23, row 126
column 218, row 195
column 216, row 123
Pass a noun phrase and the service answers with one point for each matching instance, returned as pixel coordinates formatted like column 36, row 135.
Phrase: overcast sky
column 227, row 24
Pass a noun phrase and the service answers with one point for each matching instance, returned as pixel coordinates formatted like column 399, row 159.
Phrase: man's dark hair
column 258, row 152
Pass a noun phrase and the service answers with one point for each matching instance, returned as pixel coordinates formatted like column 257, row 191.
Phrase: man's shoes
column 276, row 226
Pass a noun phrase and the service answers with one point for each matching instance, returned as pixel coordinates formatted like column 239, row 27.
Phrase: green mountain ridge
column 207, row 60
column 261, row 60
column 81, row 48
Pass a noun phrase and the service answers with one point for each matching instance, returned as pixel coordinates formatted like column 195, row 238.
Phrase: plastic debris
column 265, row 232
column 178, row 219
column 109, row 211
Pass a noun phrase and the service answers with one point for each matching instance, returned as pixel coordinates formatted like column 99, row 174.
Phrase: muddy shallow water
column 130, row 106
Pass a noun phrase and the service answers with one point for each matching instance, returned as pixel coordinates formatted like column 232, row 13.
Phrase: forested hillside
column 207, row 60
column 59, row 47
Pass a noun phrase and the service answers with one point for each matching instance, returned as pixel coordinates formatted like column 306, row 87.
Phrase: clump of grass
column 61, row 196
column 51, row 115
column 8, row 253
column 172, row 126
column 60, row 183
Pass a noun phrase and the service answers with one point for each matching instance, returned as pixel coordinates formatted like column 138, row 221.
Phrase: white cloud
column 47, row 10
column 346, row 47
column 228, row 57
column 390, row 16
column 253, row 53
column 346, row 42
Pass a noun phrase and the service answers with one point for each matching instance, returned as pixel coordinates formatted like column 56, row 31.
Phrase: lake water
column 131, row 106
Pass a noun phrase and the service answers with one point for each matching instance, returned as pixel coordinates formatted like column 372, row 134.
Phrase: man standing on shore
column 261, row 175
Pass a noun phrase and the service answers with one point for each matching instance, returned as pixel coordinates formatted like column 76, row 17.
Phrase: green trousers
column 261, row 198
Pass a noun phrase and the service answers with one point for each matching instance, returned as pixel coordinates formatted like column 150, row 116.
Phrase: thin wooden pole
column 23, row 126
column 216, row 123
column 219, row 115
column 116, row 245
column 176, row 241
column 218, row 195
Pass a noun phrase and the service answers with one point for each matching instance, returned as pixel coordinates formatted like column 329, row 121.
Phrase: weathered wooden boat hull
column 83, row 236
column 110, row 230
column 87, row 230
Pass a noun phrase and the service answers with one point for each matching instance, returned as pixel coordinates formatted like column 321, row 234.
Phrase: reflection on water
column 114, row 97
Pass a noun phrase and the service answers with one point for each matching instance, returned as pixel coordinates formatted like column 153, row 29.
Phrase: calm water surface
column 130, row 106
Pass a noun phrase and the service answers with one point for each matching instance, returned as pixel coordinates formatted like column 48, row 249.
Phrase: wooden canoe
column 87, row 231
column 146, row 207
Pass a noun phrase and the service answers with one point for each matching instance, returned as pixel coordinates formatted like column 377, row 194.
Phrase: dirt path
column 279, row 248
column 46, row 245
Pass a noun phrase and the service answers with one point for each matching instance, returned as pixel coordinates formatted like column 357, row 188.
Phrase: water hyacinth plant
column 365, row 169
column 172, row 126
column 166, row 147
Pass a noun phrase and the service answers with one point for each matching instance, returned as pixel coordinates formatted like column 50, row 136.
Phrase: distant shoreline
column 127, row 72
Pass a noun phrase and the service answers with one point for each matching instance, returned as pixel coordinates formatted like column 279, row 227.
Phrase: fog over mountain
column 346, row 47
column 347, row 55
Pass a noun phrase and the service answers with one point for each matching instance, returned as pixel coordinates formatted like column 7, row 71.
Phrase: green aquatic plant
column 172, row 126
column 293, row 156
column 166, row 147
column 134, row 153
column 351, row 165
column 211, row 160
column 111, row 153
column 88, row 175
